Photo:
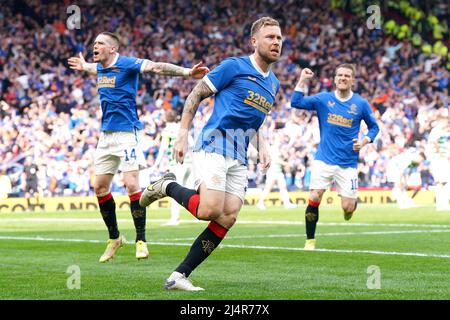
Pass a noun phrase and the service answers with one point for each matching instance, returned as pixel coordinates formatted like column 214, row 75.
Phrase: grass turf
column 261, row 257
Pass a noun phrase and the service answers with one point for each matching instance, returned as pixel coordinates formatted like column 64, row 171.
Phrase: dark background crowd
column 50, row 115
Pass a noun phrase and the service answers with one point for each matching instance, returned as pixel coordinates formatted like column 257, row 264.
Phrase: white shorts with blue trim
column 119, row 151
column 219, row 173
column 346, row 179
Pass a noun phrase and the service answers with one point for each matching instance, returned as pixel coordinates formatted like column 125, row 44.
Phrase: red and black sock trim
column 139, row 216
column 108, row 211
column 188, row 198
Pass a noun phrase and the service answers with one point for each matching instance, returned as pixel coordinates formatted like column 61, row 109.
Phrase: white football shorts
column 346, row 179
column 119, row 150
column 219, row 173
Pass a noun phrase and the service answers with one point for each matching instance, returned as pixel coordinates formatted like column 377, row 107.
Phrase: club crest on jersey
column 331, row 104
column 352, row 109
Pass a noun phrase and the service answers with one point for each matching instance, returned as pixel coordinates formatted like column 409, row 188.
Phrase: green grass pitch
column 382, row 253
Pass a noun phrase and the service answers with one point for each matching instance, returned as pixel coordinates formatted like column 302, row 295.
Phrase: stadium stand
column 51, row 114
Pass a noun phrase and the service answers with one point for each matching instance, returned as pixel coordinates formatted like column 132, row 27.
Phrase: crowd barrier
column 65, row 204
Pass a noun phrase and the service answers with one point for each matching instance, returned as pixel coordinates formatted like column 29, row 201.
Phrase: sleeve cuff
column 143, row 65
column 209, row 84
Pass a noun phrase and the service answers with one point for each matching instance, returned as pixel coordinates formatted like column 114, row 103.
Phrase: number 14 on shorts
column 130, row 153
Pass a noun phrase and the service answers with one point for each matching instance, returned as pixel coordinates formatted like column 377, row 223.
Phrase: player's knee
column 349, row 207
column 131, row 187
column 316, row 195
column 209, row 213
column 100, row 189
column 229, row 221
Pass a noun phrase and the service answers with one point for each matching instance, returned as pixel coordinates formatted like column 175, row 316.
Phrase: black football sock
column 139, row 216
column 188, row 198
column 202, row 247
column 108, row 211
column 311, row 218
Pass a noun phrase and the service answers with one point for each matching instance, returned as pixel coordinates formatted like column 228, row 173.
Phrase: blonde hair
column 261, row 23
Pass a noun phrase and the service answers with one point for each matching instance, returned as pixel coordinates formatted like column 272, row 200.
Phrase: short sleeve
column 221, row 76
column 135, row 65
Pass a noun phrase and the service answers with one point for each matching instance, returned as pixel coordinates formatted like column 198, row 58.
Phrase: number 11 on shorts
column 354, row 184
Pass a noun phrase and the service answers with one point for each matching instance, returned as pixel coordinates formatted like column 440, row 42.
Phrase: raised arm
column 299, row 101
column 168, row 69
column 78, row 63
column 200, row 92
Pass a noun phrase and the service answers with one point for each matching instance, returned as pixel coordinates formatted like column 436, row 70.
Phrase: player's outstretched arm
column 200, row 92
column 168, row 69
column 78, row 63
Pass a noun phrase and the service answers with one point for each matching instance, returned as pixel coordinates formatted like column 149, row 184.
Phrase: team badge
column 311, row 216
column 207, row 246
column 352, row 109
column 216, row 179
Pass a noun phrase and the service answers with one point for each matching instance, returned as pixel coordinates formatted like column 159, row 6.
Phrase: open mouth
column 276, row 51
column 96, row 53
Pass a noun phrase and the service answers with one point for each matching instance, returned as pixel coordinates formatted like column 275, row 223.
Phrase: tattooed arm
column 200, row 92
column 168, row 69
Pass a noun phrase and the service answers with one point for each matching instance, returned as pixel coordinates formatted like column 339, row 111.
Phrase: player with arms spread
column 340, row 114
column 119, row 144
column 245, row 89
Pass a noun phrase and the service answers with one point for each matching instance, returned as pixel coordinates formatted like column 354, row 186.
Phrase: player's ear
column 253, row 42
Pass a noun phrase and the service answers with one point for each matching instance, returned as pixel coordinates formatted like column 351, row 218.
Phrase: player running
column 245, row 90
column 119, row 146
column 340, row 114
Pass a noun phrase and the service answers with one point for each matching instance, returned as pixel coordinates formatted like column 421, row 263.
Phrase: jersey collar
column 114, row 61
column 343, row 100
column 255, row 65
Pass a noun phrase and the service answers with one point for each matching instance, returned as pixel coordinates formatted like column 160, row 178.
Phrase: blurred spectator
column 50, row 113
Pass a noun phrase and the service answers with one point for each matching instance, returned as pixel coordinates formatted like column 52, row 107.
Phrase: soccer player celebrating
column 340, row 114
column 119, row 144
column 245, row 90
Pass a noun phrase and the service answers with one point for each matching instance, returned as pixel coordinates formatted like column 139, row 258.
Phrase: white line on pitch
column 319, row 234
column 415, row 254
column 269, row 222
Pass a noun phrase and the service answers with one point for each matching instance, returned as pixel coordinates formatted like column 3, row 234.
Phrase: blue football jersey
column 339, row 122
column 244, row 95
column 117, row 86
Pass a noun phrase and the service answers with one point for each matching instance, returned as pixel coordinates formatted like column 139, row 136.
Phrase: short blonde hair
column 263, row 22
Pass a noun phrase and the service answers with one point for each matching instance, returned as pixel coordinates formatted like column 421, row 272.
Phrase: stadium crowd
column 51, row 115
